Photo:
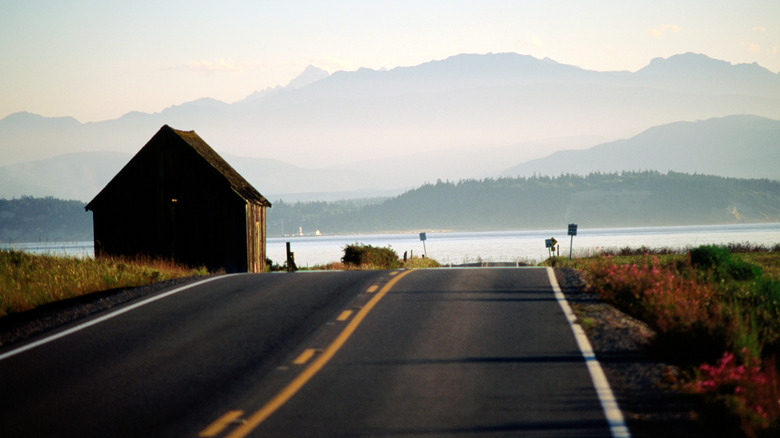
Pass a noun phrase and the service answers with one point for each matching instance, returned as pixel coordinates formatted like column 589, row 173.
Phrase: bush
column 712, row 307
column 718, row 260
column 359, row 254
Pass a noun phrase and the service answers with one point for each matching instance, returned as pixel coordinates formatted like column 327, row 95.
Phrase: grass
column 716, row 313
column 28, row 281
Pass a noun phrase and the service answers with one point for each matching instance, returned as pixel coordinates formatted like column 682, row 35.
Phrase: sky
column 98, row 60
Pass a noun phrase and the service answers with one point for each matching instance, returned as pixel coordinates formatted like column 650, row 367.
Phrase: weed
column 702, row 305
column 29, row 280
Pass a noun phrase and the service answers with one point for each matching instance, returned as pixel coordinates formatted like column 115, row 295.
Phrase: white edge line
column 103, row 318
column 617, row 424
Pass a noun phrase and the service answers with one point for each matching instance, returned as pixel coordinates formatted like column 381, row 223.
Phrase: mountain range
column 736, row 146
column 369, row 132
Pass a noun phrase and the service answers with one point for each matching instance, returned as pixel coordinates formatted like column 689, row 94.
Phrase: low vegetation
column 359, row 256
column 28, row 281
column 716, row 314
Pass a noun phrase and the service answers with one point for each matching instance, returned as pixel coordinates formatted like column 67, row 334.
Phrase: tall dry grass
column 28, row 281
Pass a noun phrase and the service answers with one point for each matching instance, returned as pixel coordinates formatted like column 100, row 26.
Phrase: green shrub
column 359, row 254
column 718, row 261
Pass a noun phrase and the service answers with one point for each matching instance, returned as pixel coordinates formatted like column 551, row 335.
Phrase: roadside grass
column 716, row 314
column 28, row 281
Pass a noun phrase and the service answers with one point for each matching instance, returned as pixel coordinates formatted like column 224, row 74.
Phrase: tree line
column 29, row 219
column 596, row 200
column 599, row 200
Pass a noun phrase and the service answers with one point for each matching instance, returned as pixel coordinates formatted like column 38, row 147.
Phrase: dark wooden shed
column 178, row 199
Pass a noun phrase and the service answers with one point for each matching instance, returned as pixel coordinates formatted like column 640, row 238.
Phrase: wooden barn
column 178, row 199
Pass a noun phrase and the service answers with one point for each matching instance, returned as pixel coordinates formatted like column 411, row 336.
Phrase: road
column 441, row 352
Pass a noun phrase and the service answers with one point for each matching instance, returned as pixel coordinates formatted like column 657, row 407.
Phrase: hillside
column 44, row 219
column 740, row 146
column 597, row 200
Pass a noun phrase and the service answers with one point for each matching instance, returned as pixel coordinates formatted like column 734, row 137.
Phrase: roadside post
column 572, row 233
column 290, row 260
column 423, row 237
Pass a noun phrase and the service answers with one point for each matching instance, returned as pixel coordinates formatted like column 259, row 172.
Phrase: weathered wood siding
column 170, row 203
column 255, row 230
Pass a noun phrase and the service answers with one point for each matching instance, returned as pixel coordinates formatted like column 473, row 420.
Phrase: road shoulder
column 642, row 385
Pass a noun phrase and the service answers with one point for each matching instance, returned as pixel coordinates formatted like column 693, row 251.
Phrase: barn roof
column 193, row 140
column 237, row 182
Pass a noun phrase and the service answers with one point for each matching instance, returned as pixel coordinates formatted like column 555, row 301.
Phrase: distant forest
column 597, row 200
column 31, row 219
column 593, row 201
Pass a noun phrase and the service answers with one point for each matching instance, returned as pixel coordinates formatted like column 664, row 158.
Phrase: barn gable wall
column 169, row 202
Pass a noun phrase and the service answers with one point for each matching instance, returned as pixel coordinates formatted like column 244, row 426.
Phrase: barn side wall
column 172, row 204
column 255, row 225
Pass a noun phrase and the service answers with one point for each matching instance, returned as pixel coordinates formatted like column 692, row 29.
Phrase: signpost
column 572, row 233
column 423, row 237
column 550, row 245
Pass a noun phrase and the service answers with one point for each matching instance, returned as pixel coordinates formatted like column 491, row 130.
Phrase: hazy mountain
column 77, row 176
column 462, row 102
column 737, row 146
column 309, row 76
column 381, row 132
column 80, row 176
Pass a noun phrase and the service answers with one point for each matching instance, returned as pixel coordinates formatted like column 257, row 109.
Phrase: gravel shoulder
column 642, row 384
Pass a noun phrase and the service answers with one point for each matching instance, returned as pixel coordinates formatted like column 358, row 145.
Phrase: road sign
column 548, row 243
column 423, row 237
column 572, row 233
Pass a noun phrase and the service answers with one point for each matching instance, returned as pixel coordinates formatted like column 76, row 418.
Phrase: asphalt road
column 465, row 352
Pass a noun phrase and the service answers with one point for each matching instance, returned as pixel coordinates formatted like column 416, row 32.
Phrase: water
column 469, row 247
column 523, row 246
column 71, row 249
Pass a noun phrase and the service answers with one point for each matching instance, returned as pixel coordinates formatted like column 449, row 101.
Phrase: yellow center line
column 344, row 315
column 293, row 387
column 372, row 289
column 222, row 422
column 305, row 356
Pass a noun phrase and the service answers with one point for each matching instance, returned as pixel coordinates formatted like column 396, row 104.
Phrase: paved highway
column 441, row 352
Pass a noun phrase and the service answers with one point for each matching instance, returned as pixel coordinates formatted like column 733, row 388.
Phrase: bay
column 454, row 248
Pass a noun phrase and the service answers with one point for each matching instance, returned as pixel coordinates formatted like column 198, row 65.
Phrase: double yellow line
column 248, row 425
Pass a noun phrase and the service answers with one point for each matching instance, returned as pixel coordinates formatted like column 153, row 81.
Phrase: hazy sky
column 97, row 60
